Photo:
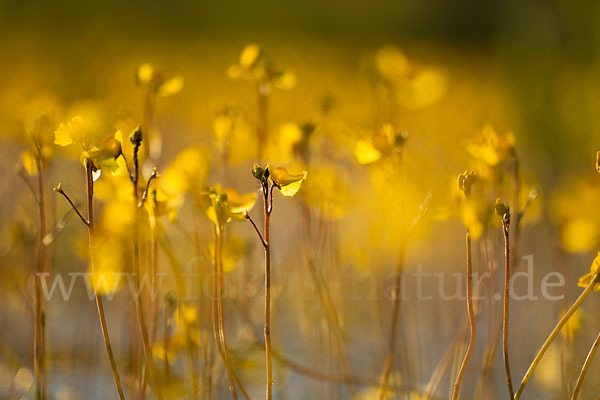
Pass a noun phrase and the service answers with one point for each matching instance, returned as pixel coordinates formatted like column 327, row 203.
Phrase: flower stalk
column 465, row 181
column 89, row 167
column 588, row 289
column 586, row 366
column 504, row 212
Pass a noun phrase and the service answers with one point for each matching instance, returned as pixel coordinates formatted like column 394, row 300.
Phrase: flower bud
column 136, row 136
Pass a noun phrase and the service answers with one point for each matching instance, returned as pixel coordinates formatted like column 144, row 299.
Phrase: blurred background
column 509, row 88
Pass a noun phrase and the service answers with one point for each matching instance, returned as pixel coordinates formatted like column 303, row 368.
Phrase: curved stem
column 233, row 379
column 505, row 316
column 555, row 332
column 394, row 328
column 472, row 324
column 586, row 366
column 99, row 305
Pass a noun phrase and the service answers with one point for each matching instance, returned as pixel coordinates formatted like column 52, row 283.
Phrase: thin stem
column 39, row 320
column 505, row 227
column 394, row 332
column 137, row 296
column 145, row 193
column 217, row 312
column 59, row 190
column 588, row 289
column 154, row 274
column 586, row 366
column 129, row 173
column 267, row 209
column 222, row 320
column 472, row 324
column 256, row 230
column 99, row 305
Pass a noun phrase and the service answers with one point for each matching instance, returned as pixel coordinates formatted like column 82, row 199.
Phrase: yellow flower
column 412, row 87
column 186, row 173
column 391, row 63
column 492, row 147
column 148, row 77
column 287, row 183
column 326, row 191
column 386, row 141
column 29, row 163
column 224, row 205
column 257, row 66
column 574, row 208
column 80, row 132
column 586, row 279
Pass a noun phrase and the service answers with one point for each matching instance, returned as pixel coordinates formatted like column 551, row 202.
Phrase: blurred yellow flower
column 80, row 131
column 29, row 163
column 186, row 173
column 386, row 141
column 257, row 66
column 224, row 205
column 235, row 135
column 391, row 63
column 574, row 208
column 492, row 147
column 149, row 77
column 326, row 191
column 411, row 86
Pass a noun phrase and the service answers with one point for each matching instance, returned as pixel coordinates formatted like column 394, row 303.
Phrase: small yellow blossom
column 224, row 205
column 287, row 183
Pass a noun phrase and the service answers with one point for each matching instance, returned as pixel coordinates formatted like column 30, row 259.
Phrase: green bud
column 465, row 181
column 258, row 172
column 136, row 136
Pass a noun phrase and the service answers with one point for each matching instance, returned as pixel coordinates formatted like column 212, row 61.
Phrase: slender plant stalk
column 586, row 366
column 505, row 227
column 217, row 293
column 267, row 189
column 267, row 246
column 218, row 316
column 99, row 305
column 137, row 296
column 394, row 328
column 473, row 326
column 588, row 289
column 39, row 315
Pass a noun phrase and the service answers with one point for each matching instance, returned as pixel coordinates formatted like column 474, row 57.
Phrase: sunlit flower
column 410, row 86
column 225, row 205
column 79, row 131
column 385, row 141
column 327, row 191
column 152, row 79
column 187, row 172
column 257, row 66
column 492, row 147
column 287, row 183
column 574, row 207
